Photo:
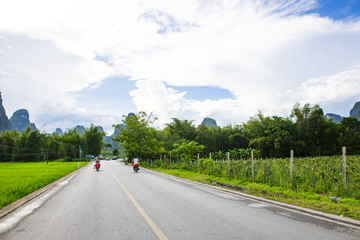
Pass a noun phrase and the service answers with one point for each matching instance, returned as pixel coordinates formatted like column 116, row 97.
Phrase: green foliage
column 115, row 152
column 306, row 131
column 187, row 150
column 310, row 174
column 94, row 140
column 183, row 128
column 350, row 134
column 138, row 138
column 32, row 145
column 237, row 154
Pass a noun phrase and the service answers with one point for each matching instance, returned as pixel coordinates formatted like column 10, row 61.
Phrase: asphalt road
column 117, row 203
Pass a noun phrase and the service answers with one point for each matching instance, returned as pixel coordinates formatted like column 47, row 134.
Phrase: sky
column 91, row 62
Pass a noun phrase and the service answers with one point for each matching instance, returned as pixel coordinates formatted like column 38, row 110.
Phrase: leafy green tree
column 222, row 138
column 310, row 122
column 138, row 138
column 115, row 152
column 66, row 148
column 33, row 146
column 330, row 138
column 94, row 140
column 350, row 135
column 184, row 128
column 167, row 139
column 206, row 137
column 8, row 145
column 21, row 152
column 187, row 150
column 77, row 140
column 46, row 140
column 237, row 137
column 273, row 136
column 54, row 147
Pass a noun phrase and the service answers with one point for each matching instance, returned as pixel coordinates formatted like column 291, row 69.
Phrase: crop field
column 311, row 174
column 20, row 179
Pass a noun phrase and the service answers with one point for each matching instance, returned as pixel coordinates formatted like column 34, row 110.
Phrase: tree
column 184, row 128
column 274, row 136
column 115, row 152
column 206, row 137
column 94, row 140
column 167, row 139
column 311, row 124
column 8, row 145
column 138, row 138
column 350, row 135
column 33, row 146
column 187, row 150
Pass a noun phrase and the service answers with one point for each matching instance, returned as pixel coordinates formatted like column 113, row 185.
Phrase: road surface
column 117, row 203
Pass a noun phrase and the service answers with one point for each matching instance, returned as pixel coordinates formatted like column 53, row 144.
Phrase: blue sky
column 338, row 10
column 202, row 93
column 81, row 62
column 108, row 94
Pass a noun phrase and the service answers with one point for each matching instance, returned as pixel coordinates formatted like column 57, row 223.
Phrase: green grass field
column 20, row 179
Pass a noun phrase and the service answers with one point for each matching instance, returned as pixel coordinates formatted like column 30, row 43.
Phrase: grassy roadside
column 20, row 179
column 347, row 207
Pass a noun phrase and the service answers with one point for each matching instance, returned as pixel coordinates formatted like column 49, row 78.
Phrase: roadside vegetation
column 306, row 131
column 200, row 153
column 20, row 179
column 33, row 146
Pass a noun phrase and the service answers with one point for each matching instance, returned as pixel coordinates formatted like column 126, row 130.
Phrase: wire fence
column 338, row 175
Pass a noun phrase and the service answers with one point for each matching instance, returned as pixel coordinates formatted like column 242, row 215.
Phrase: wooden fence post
column 291, row 165
column 197, row 162
column 344, row 167
column 265, row 170
column 252, row 165
column 314, row 175
column 228, row 158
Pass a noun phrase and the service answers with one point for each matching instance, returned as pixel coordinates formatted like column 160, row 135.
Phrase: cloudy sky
column 86, row 61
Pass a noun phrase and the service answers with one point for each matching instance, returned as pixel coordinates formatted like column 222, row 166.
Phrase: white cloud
column 334, row 88
column 258, row 50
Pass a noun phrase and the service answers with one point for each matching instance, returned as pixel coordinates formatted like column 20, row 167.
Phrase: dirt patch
column 216, row 183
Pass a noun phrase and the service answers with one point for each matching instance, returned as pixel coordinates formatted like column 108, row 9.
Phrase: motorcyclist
column 135, row 161
column 126, row 160
column 97, row 161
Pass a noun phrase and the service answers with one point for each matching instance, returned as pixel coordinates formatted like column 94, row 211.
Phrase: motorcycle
column 97, row 166
column 136, row 167
column 126, row 162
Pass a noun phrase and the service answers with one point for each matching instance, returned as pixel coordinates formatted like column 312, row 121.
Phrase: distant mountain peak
column 20, row 120
column 4, row 120
column 355, row 111
column 59, row 131
column 336, row 118
column 209, row 122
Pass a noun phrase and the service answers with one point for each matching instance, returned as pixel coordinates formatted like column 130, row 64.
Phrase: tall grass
column 310, row 174
column 20, row 179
